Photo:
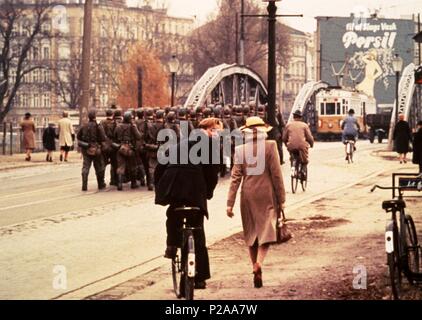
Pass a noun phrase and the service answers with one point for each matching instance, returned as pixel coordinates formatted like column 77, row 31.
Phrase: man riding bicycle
column 298, row 137
column 351, row 128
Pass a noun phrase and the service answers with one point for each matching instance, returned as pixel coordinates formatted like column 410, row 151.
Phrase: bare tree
column 67, row 78
column 216, row 42
column 21, row 27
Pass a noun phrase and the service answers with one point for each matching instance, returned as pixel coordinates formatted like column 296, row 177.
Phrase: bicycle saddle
column 393, row 204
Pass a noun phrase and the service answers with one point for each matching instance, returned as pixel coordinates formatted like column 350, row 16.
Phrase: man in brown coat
column 28, row 128
column 298, row 137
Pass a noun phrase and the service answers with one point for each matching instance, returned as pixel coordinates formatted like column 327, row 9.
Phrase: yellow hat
column 256, row 123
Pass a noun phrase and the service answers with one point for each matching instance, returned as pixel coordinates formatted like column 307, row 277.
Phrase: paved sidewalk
column 17, row 161
column 335, row 238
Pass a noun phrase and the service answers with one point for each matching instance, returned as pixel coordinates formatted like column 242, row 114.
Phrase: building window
column 46, row 100
column 46, row 53
column 46, row 75
column 35, row 76
column 36, row 100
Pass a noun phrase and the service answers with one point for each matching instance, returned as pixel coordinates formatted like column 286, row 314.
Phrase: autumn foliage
column 155, row 92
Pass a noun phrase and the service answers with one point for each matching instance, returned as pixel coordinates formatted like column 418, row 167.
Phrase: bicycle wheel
column 294, row 176
column 189, row 268
column 394, row 267
column 304, row 177
column 176, row 273
column 411, row 246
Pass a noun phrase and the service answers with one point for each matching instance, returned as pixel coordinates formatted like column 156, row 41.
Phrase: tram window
column 330, row 108
column 338, row 108
column 322, row 111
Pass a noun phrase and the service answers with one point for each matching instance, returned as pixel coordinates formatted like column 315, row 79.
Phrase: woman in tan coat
column 257, row 164
column 28, row 128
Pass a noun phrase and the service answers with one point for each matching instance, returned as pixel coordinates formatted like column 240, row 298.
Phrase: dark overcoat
column 417, row 147
column 186, row 184
column 402, row 136
column 49, row 138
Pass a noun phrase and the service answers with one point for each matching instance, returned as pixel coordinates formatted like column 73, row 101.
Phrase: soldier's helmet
column 117, row 113
column 237, row 110
column 227, row 112
column 127, row 117
column 207, row 112
column 149, row 113
column 171, row 117
column 140, row 113
column 192, row 113
column 167, row 110
column 159, row 114
column 261, row 108
column 92, row 114
column 156, row 109
column 109, row 113
column 246, row 110
column 198, row 110
column 217, row 111
column 182, row 112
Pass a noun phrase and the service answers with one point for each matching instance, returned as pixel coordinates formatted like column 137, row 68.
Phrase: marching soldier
column 90, row 137
column 126, row 135
column 183, row 116
column 152, row 145
column 238, row 116
column 109, row 125
column 140, row 150
column 171, row 123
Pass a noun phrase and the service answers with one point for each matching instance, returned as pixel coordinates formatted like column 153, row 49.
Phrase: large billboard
column 362, row 50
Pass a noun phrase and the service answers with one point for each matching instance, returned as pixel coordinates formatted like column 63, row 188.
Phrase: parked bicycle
column 299, row 171
column 183, row 264
column 401, row 240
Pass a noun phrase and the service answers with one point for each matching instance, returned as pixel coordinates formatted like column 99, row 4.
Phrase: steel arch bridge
column 227, row 84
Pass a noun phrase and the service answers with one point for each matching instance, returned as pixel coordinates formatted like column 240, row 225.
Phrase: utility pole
column 272, row 71
column 242, row 33
column 86, row 63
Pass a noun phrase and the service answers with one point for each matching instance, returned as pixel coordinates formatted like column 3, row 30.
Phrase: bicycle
column 183, row 265
column 401, row 240
column 299, row 171
column 350, row 148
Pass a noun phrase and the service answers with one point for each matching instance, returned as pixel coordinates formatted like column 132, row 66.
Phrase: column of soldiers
column 128, row 142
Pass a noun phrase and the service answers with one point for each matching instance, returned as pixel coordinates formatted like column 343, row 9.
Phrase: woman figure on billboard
column 372, row 72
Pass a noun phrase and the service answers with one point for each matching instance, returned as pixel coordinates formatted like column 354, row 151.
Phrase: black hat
column 92, row 114
column 27, row 115
column 297, row 114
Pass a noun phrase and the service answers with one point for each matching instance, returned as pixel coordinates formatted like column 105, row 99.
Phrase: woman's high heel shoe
column 257, row 277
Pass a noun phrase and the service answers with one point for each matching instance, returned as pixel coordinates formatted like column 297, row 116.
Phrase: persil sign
column 363, row 50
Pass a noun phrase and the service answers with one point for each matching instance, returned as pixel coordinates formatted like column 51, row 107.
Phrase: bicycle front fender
column 191, row 257
column 389, row 237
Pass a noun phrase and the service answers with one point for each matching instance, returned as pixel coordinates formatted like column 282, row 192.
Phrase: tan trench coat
column 28, row 128
column 261, row 195
column 65, row 129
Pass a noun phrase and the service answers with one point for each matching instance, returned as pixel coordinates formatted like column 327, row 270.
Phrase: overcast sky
column 309, row 8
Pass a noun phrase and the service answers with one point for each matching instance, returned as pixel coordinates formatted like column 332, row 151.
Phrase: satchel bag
column 283, row 234
column 93, row 150
column 126, row 150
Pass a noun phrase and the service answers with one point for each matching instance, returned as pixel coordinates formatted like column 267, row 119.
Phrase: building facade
column 300, row 69
column 115, row 29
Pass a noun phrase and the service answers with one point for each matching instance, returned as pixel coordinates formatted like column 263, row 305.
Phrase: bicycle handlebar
column 385, row 188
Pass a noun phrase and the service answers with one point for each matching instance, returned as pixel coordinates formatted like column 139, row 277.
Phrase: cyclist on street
column 351, row 128
column 298, row 137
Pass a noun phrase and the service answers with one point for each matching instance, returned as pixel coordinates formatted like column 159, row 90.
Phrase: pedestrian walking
column 171, row 188
column 49, row 141
column 90, row 138
column 66, row 136
column 402, row 136
column 417, row 147
column 262, row 193
column 28, row 129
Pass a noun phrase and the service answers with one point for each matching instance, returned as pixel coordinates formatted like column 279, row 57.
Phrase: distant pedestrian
column 49, row 141
column 402, row 137
column 262, row 193
column 28, row 128
column 417, row 147
column 66, row 136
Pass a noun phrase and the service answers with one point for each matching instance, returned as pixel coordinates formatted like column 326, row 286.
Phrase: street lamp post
column 397, row 66
column 174, row 67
